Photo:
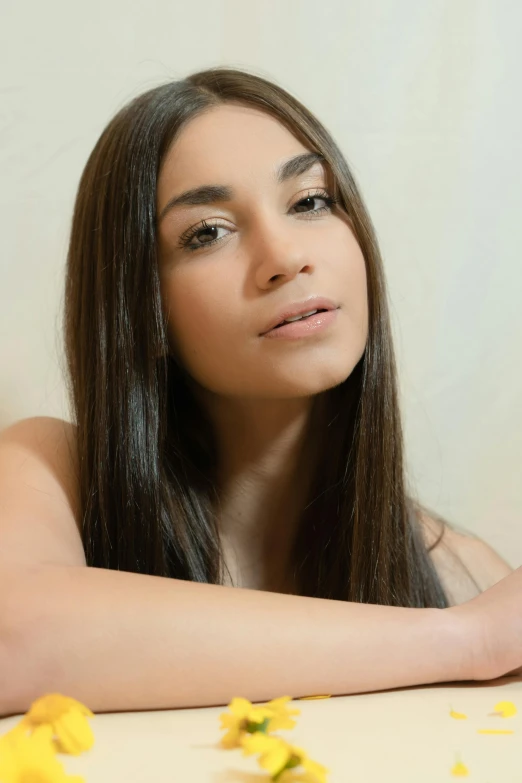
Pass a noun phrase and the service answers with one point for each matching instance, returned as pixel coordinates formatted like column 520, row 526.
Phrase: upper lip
column 298, row 308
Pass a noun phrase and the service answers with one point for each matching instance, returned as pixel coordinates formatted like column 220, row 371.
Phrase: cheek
column 187, row 317
column 355, row 290
column 197, row 315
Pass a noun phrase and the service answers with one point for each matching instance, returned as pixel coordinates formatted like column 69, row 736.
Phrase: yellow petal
column 257, row 743
column 275, row 755
column 279, row 701
column 43, row 734
column 74, row 734
column 7, row 759
column 275, row 759
column 460, row 770
column 504, row 709
column 458, row 715
column 279, row 705
column 31, row 759
column 495, row 731
column 259, row 714
column 326, row 696
column 274, row 751
column 315, row 769
column 51, row 706
column 282, row 713
column 228, row 720
column 240, row 707
column 231, row 739
column 236, row 723
column 19, row 730
column 281, row 722
column 67, row 718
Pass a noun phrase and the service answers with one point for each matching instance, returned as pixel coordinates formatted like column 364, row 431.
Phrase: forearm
column 122, row 641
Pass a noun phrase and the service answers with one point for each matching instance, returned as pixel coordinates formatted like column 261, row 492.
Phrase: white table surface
column 404, row 735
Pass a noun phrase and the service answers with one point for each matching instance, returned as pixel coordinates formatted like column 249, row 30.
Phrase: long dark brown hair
column 147, row 450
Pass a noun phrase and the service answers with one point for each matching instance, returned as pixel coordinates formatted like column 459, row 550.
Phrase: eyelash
column 185, row 239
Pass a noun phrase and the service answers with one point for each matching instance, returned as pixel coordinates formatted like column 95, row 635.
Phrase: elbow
column 19, row 675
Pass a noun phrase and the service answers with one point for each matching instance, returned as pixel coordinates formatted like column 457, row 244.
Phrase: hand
column 494, row 619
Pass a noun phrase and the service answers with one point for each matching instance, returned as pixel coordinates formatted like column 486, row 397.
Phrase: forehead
column 227, row 140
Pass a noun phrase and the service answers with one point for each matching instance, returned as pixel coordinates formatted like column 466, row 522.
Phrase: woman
column 213, row 444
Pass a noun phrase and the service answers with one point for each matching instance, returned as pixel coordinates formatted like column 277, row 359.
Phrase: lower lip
column 304, row 328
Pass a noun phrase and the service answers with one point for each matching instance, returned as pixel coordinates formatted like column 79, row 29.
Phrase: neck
column 262, row 484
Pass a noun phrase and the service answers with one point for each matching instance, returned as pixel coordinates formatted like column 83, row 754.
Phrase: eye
column 329, row 201
column 200, row 231
column 210, row 229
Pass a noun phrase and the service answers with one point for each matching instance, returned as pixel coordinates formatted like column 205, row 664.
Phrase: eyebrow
column 211, row 194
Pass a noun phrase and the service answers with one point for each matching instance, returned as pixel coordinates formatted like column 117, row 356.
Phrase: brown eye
column 206, row 229
column 310, row 199
column 200, row 232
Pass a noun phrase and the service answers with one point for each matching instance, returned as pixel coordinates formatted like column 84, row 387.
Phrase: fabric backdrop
column 424, row 100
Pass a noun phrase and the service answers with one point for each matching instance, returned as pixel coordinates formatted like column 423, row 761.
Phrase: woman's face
column 271, row 251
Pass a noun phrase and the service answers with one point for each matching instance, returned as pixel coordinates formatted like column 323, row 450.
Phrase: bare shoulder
column 44, row 430
column 50, row 440
column 465, row 563
column 39, row 491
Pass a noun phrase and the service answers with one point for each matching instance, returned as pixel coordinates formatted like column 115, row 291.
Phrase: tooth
column 298, row 317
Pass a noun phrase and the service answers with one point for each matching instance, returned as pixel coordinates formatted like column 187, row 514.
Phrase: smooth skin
column 125, row 641
column 272, row 249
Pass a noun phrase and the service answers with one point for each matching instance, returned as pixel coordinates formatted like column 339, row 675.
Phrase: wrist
column 464, row 636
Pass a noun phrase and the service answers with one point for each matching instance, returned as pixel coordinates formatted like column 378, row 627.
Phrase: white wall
column 424, row 100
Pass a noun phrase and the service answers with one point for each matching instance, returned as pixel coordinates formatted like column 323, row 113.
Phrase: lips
column 299, row 308
column 316, row 311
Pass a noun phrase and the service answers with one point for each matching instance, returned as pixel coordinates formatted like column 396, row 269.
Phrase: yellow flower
column 281, row 719
column 245, row 718
column 278, row 756
column 32, row 759
column 71, row 731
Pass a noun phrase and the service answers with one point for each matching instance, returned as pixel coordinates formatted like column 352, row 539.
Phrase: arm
column 122, row 641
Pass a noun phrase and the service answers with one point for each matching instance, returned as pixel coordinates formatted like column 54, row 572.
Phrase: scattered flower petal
column 316, row 770
column 32, row 759
column 460, row 770
column 275, row 751
column 246, row 718
column 495, row 731
column 281, row 719
column 504, row 709
column 278, row 756
column 67, row 718
column 303, row 698
column 458, row 715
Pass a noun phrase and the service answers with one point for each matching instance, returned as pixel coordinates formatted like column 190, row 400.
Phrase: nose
column 280, row 250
